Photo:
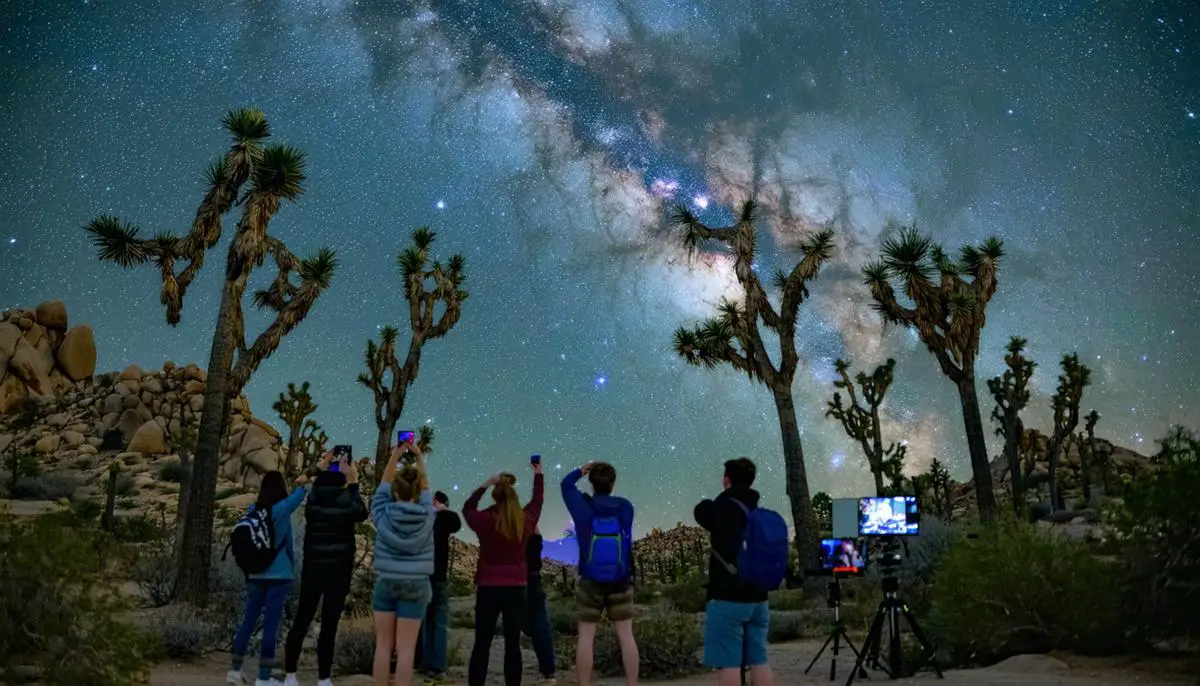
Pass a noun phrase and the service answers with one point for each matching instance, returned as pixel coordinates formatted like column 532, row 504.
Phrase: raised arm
column 358, row 509
column 533, row 509
column 572, row 497
column 294, row 500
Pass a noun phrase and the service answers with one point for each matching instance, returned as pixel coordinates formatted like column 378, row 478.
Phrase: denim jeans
column 435, row 630
column 537, row 625
column 264, row 598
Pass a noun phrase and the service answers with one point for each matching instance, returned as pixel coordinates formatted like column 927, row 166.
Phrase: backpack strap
column 713, row 551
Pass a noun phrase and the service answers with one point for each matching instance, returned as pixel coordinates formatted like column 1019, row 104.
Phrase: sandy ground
column 789, row 661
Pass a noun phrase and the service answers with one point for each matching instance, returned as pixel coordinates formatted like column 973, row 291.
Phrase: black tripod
column 891, row 608
column 837, row 633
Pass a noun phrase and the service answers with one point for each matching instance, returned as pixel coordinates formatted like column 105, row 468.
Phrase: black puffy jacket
column 332, row 510
column 726, row 524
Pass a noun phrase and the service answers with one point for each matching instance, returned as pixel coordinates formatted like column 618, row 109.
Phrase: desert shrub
column 186, row 635
column 563, row 616
column 1157, row 528
column 1015, row 590
column 460, row 588
column 136, row 529
column 355, row 651
column 919, row 559
column 687, row 595
column 126, row 486
column 126, row 503
column 45, row 487
column 153, row 571
column 462, row 619
column 787, row 626
column 668, row 642
column 59, row 613
column 788, row 599
column 87, row 510
column 26, row 464
column 362, row 586
column 173, row 471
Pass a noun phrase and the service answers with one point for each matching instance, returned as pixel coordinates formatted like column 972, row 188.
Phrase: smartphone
column 403, row 437
column 340, row 452
column 335, row 466
column 535, row 459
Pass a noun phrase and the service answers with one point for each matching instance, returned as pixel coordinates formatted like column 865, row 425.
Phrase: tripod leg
column 871, row 643
column 837, row 637
column 819, row 653
column 923, row 640
column 895, row 649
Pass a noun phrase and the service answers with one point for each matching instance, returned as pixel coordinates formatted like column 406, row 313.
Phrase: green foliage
column 788, row 599
column 185, row 634
column 823, row 511
column 668, row 643
column 126, row 488
column 45, row 487
column 563, row 616
column 687, row 595
column 1158, row 526
column 153, row 571
column 59, row 612
column 362, row 586
column 355, row 651
column 787, row 626
column 173, row 471
column 87, row 510
column 136, row 529
column 1015, row 590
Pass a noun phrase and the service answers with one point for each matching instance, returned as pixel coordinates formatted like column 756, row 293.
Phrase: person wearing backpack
column 537, row 615
column 502, row 572
column 748, row 559
column 604, row 529
column 263, row 548
column 332, row 510
column 403, row 514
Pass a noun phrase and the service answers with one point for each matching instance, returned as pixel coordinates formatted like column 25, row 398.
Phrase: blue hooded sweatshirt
column 583, row 508
column 403, row 535
column 283, row 567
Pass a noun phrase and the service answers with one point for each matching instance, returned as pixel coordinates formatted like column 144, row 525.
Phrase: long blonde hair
column 406, row 487
column 510, row 518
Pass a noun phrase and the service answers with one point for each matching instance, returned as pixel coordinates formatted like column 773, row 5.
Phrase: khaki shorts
column 597, row 599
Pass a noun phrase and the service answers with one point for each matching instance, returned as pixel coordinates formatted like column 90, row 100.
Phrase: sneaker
column 291, row 680
column 235, row 676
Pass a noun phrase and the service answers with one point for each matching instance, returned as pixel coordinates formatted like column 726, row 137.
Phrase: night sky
column 541, row 138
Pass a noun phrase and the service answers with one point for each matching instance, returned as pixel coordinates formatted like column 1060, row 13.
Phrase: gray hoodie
column 403, row 535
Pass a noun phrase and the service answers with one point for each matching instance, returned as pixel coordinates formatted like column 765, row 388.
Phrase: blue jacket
column 403, row 535
column 584, row 507
column 283, row 568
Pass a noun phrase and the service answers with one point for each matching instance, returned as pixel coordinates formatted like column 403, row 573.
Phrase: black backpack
column 253, row 542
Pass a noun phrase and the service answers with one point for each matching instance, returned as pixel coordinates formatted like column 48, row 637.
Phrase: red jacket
column 501, row 561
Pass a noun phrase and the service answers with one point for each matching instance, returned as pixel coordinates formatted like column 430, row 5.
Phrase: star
column 440, row 204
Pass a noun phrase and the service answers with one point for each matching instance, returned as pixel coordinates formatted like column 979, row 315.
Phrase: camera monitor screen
column 844, row 555
column 889, row 516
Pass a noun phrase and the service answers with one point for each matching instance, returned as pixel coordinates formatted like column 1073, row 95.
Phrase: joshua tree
column 184, row 445
column 110, row 496
column 293, row 407
column 1011, row 392
column 861, row 420
column 273, row 173
column 425, row 286
column 1065, row 401
column 1089, row 425
column 939, row 483
column 949, row 301
column 822, row 506
column 733, row 337
column 313, row 440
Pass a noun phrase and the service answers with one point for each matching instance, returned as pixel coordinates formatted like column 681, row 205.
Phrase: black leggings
column 327, row 587
column 491, row 604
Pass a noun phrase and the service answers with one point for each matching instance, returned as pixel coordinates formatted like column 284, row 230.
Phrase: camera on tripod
column 855, row 521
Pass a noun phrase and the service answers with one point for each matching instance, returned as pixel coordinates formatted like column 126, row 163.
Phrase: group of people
column 413, row 527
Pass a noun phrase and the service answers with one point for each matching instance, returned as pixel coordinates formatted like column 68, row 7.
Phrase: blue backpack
column 762, row 559
column 607, row 559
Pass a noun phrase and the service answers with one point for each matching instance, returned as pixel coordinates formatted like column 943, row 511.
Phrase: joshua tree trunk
column 1012, row 432
column 796, row 474
column 195, row 557
column 383, row 445
column 976, row 444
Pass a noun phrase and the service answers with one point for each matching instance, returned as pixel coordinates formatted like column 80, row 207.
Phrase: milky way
column 543, row 138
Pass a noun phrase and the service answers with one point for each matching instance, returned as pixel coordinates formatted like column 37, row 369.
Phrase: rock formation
column 135, row 415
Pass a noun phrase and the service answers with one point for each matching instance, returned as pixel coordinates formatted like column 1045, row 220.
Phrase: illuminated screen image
column 896, row 516
column 843, row 555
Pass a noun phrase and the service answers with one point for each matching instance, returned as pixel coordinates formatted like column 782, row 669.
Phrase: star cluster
column 542, row 139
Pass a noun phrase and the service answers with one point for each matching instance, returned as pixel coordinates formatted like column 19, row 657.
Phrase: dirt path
column 790, row 660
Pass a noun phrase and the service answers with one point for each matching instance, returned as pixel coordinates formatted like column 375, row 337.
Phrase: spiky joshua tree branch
column 860, row 420
column 1011, row 393
column 947, row 307
column 428, row 286
column 1065, row 403
column 293, row 407
column 733, row 337
column 259, row 178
